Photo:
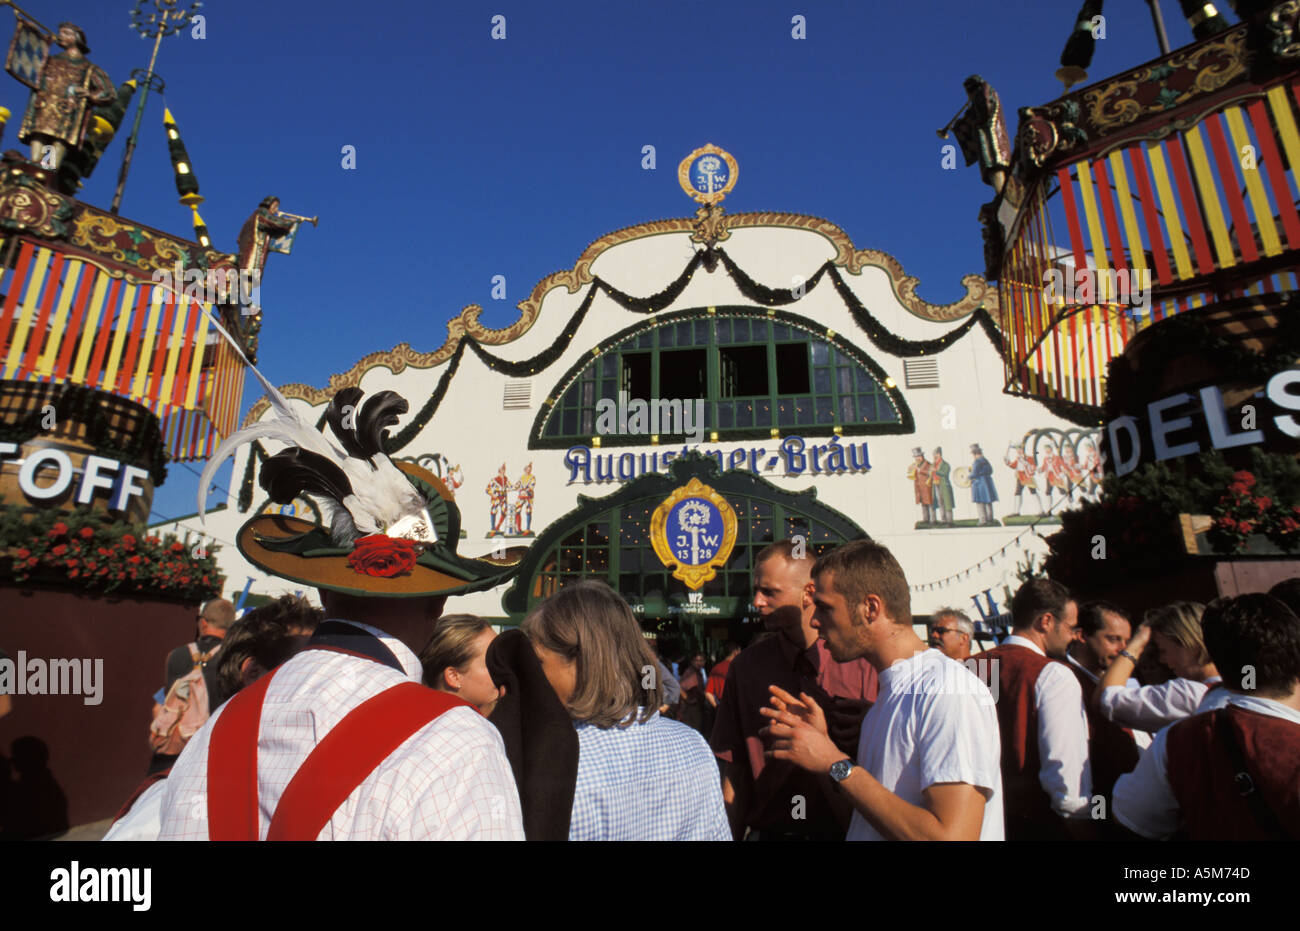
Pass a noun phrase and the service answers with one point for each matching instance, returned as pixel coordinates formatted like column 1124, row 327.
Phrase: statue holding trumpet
column 267, row 230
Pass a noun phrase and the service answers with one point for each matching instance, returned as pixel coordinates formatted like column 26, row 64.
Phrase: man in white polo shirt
column 927, row 765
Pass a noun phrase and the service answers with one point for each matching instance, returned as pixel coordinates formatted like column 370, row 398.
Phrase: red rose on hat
column 382, row 557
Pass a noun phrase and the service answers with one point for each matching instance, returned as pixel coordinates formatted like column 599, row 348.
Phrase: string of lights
column 992, row 557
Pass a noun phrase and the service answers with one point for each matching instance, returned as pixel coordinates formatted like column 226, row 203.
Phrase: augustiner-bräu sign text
column 793, row 456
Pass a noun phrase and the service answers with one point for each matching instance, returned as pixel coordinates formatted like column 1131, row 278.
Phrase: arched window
column 609, row 538
column 749, row 373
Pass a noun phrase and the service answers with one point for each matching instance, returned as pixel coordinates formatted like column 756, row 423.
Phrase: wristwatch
column 840, row 769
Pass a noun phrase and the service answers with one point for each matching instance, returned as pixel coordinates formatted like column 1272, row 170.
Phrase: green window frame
column 837, row 390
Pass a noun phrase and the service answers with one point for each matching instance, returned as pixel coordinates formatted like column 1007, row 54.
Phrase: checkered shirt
column 654, row 781
column 448, row 781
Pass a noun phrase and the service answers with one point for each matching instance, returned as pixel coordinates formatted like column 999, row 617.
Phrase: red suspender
column 349, row 753
column 232, row 785
column 352, row 749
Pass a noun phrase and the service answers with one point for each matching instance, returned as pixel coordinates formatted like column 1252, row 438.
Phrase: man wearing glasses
column 950, row 633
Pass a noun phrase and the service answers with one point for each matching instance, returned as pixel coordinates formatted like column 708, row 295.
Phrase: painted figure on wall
column 982, row 492
column 498, row 492
column 455, row 477
column 1052, row 468
column 526, row 486
column 943, row 497
column 921, row 474
column 1092, row 467
column 1074, row 473
column 1024, row 467
column 59, row 111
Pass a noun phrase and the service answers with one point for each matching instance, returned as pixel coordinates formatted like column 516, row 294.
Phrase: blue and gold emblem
column 693, row 532
column 708, row 174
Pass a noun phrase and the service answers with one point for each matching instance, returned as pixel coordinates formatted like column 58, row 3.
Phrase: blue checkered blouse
column 654, row 781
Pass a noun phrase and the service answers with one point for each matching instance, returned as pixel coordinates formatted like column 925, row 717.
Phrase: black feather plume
column 1080, row 45
column 380, row 413
column 295, row 471
column 342, row 415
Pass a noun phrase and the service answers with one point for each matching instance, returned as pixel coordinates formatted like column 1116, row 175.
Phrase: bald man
column 774, row 799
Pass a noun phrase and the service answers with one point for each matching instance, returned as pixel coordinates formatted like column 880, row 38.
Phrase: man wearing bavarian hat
column 342, row 742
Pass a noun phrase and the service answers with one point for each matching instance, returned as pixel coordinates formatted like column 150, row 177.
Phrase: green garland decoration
column 399, row 440
column 759, row 294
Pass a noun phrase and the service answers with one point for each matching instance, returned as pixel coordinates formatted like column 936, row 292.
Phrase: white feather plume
column 381, row 493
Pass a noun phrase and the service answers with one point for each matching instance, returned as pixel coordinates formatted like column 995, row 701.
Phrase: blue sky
column 477, row 157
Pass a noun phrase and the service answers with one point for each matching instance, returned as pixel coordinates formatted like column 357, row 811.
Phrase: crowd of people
column 378, row 717
column 838, row 722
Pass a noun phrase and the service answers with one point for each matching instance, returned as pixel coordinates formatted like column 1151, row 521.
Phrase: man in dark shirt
column 774, row 799
column 214, row 619
column 1112, row 750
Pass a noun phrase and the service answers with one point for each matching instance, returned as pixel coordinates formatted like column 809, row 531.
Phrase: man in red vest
column 343, row 742
column 1104, row 630
column 1233, row 773
column 1045, row 773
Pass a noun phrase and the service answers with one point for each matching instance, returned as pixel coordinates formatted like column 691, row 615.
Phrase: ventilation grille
column 518, row 396
column 921, row 373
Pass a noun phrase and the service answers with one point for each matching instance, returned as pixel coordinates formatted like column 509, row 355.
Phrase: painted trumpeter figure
column 1024, row 466
column 258, row 230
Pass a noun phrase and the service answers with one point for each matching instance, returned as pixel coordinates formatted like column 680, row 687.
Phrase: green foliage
column 83, row 549
column 1137, row 517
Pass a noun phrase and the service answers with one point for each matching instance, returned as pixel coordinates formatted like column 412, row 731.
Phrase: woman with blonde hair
column 1175, row 630
column 640, row 775
column 454, row 660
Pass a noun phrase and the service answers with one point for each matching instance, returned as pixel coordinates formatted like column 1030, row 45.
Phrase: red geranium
column 128, row 541
column 59, row 529
column 86, row 532
column 22, row 552
column 382, row 557
column 59, row 550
